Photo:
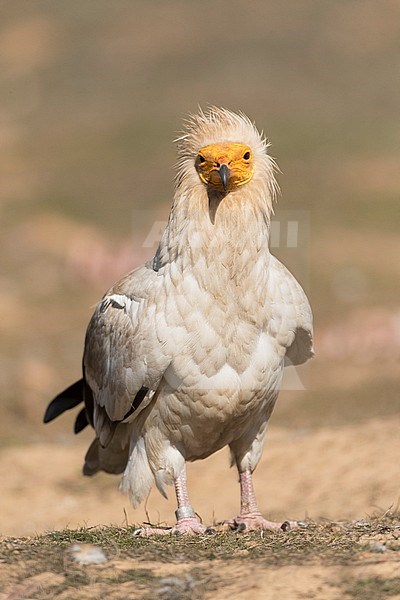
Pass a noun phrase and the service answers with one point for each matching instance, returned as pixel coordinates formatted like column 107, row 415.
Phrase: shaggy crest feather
column 223, row 125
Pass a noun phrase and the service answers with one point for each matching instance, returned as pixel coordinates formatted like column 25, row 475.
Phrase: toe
column 188, row 526
column 149, row 531
column 256, row 522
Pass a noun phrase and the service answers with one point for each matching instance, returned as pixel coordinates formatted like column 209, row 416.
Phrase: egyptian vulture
column 185, row 354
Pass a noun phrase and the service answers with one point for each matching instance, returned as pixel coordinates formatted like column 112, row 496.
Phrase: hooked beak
column 224, row 172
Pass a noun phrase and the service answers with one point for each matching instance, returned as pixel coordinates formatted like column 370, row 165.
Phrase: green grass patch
column 331, row 542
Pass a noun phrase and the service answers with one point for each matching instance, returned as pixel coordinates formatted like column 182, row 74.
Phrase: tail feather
column 138, row 477
column 68, row 399
column 112, row 459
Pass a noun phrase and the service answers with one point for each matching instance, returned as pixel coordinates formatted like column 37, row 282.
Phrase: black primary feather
column 68, row 399
column 138, row 399
column 81, row 421
column 80, row 392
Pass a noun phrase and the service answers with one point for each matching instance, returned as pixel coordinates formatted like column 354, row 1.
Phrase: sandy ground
column 234, row 581
column 342, row 473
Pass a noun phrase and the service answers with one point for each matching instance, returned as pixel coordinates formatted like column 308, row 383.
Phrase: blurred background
column 92, row 95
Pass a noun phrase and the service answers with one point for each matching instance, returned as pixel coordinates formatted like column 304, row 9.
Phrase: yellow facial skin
column 225, row 167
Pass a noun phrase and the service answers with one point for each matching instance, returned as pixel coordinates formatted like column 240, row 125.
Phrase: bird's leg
column 248, row 503
column 186, row 520
column 250, row 518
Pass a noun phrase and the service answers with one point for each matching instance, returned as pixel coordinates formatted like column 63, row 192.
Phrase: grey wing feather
column 291, row 313
column 123, row 357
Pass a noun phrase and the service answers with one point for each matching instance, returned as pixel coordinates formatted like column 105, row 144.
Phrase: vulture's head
column 225, row 166
column 222, row 154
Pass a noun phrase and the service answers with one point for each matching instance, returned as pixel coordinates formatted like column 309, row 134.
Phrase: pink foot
column 188, row 526
column 185, row 526
column 255, row 522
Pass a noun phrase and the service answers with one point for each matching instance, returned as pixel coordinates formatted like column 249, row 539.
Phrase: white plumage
column 185, row 354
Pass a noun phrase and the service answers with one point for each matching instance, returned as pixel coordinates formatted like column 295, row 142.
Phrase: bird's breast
column 201, row 413
column 225, row 367
column 228, row 363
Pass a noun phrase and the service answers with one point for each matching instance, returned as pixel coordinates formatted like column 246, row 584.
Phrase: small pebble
column 378, row 547
column 87, row 554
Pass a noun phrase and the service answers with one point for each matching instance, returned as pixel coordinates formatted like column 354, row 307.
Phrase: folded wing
column 123, row 360
column 291, row 317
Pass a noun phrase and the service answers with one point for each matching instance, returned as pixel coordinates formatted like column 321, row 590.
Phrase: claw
column 302, row 523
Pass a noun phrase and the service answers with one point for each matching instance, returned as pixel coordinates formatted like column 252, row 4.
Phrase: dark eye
column 201, row 159
column 246, row 155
